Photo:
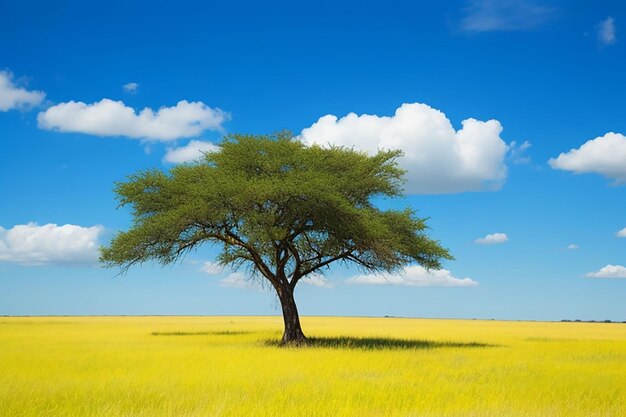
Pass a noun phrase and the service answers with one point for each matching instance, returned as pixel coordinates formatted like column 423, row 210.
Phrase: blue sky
column 535, row 171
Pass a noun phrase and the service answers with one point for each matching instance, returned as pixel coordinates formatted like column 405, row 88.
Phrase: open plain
column 232, row 366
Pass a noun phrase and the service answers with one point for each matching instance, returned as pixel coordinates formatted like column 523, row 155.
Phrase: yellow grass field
column 224, row 366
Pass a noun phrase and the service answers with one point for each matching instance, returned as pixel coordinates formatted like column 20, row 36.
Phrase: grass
column 215, row 333
column 231, row 366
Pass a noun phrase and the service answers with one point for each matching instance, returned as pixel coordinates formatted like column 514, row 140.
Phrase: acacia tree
column 283, row 209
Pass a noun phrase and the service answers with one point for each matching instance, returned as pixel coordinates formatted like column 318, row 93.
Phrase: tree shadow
column 381, row 343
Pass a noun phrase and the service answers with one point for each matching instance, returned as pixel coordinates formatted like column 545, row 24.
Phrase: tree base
column 295, row 339
column 293, row 335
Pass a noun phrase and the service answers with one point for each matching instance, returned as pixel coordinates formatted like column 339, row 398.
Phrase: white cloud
column 606, row 31
column 621, row 233
column 31, row 244
column 234, row 279
column 609, row 271
column 114, row 118
column 604, row 155
column 492, row 239
column 14, row 97
column 573, row 246
column 130, row 88
column 504, row 15
column 240, row 280
column 212, row 268
column 193, row 151
column 438, row 158
column 237, row 280
column 414, row 276
column 517, row 153
column 316, row 280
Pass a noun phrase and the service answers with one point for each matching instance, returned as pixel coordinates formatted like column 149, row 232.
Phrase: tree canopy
column 277, row 206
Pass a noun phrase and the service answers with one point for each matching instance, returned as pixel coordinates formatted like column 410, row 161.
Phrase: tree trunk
column 293, row 334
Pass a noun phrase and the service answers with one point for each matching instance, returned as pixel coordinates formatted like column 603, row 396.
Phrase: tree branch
column 258, row 261
column 322, row 264
column 295, row 277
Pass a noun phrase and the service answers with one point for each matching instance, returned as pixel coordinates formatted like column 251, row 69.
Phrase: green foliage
column 280, row 207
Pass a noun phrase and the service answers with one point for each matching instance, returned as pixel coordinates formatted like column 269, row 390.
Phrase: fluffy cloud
column 414, row 276
column 14, row 97
column 504, row 15
column 438, row 158
column 317, row 280
column 237, row 280
column 232, row 280
column 193, row 151
column 31, row 244
column 130, row 88
column 517, row 153
column 573, row 246
column 114, row 118
column 212, row 268
column 609, row 271
column 492, row 239
column 621, row 233
column 604, row 155
column 606, row 31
